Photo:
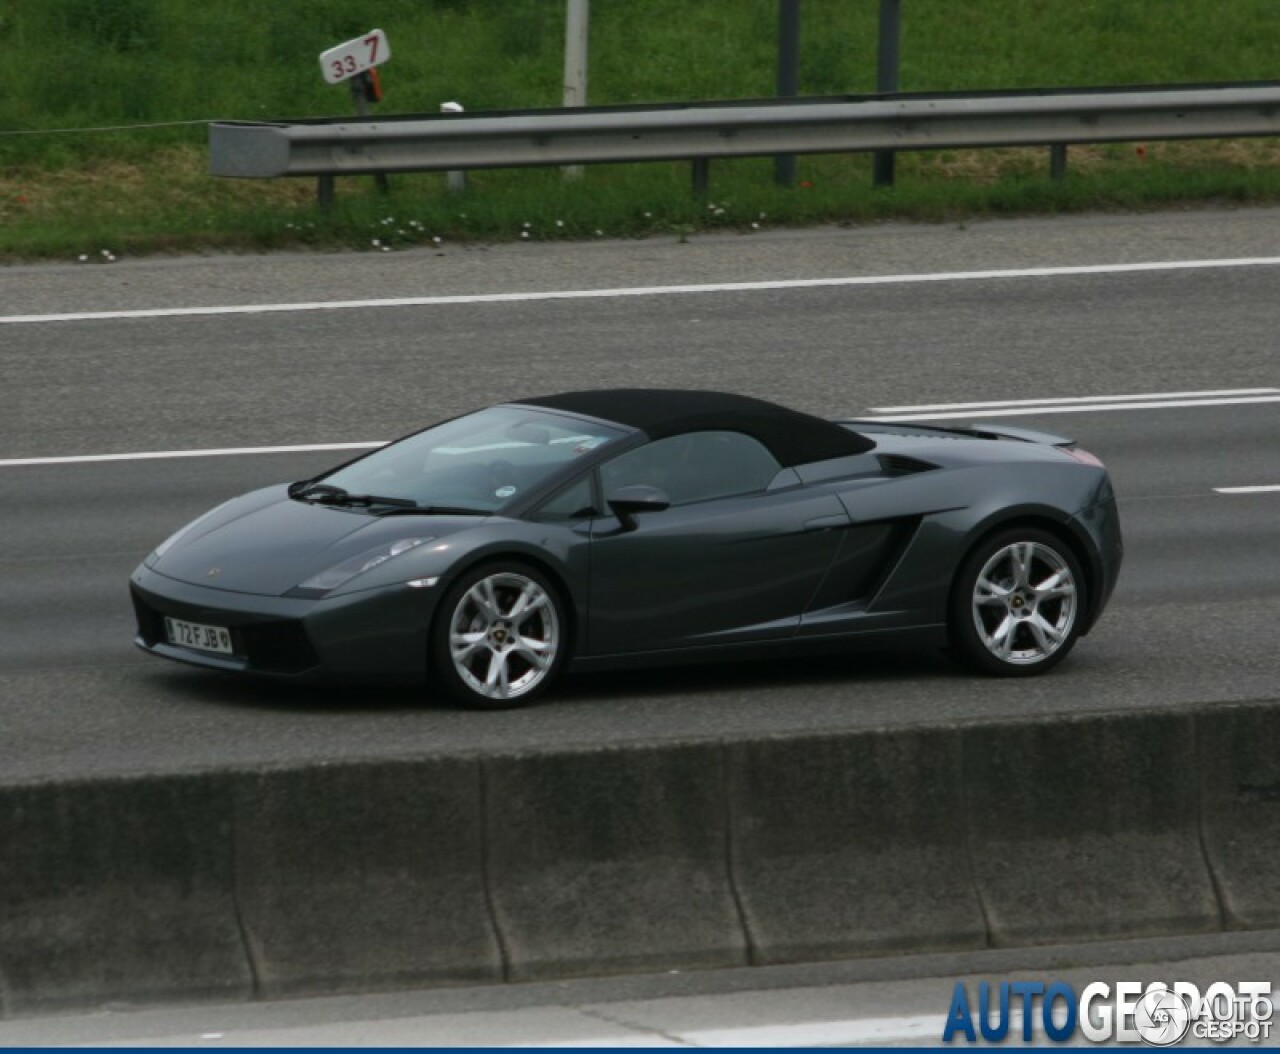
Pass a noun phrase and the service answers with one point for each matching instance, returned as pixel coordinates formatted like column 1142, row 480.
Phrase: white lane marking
column 876, row 1031
column 1039, row 408
column 1269, row 489
column 1068, row 400
column 643, row 1039
column 156, row 455
column 656, row 290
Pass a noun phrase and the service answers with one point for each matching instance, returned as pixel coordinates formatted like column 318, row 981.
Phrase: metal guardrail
column 701, row 131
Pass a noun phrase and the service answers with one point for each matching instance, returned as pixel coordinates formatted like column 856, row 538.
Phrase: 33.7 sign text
column 355, row 56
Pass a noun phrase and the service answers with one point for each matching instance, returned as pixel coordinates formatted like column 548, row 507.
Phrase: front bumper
column 376, row 634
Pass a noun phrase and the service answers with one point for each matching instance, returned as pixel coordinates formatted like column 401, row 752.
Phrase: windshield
column 482, row 462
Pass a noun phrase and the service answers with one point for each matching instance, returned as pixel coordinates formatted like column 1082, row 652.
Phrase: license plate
column 197, row 635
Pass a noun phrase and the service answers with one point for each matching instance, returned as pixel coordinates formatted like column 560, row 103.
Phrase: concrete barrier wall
column 345, row 877
column 852, row 845
column 612, row 861
column 1087, row 829
column 1239, row 770
column 363, row 876
column 118, row 891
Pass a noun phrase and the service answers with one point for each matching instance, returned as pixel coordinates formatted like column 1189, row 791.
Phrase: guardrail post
column 361, row 99
column 324, row 191
column 784, row 165
column 701, row 177
column 1058, row 162
column 455, row 178
column 887, row 62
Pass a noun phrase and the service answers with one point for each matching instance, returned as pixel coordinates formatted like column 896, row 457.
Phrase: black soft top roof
column 792, row 437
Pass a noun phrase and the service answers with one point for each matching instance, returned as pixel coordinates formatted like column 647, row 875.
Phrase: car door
column 728, row 561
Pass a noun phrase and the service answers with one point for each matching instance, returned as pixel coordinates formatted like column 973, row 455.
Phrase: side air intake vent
column 902, row 465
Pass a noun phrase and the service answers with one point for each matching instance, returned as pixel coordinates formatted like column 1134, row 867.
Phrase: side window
column 572, row 503
column 696, row 466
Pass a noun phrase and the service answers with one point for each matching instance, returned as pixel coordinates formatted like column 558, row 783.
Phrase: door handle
column 826, row 523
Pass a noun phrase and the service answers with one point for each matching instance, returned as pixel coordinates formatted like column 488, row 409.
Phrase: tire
column 1018, row 603
column 501, row 636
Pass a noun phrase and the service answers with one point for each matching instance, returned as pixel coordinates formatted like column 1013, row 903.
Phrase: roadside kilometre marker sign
column 355, row 56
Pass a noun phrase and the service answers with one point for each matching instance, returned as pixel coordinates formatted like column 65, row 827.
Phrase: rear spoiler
column 1028, row 435
column 978, row 430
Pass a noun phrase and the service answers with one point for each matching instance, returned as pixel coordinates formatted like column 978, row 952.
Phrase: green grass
column 71, row 64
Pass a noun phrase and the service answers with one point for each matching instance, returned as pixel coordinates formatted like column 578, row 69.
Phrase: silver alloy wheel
column 1024, row 603
column 504, row 635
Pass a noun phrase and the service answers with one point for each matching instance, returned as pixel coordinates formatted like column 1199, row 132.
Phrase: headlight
column 339, row 574
column 164, row 546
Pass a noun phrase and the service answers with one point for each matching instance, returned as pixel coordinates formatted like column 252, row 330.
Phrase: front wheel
column 501, row 636
column 1018, row 604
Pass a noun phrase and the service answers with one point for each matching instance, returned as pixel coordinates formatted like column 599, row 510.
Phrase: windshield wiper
column 327, row 494
column 434, row 510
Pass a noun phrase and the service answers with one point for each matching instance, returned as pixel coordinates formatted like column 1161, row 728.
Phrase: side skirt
column 916, row 638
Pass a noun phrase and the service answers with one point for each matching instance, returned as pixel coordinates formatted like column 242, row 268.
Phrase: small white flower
column 437, row 239
column 648, row 215
column 84, row 257
column 376, row 243
column 524, row 234
column 559, row 223
column 386, row 248
column 527, row 224
column 110, row 258
column 755, row 226
column 599, row 232
column 105, row 252
column 762, row 216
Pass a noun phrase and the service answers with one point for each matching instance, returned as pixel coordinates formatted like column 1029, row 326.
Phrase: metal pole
column 577, row 25
column 456, row 178
column 362, row 108
column 887, row 77
column 701, row 178
column 784, row 165
column 1058, row 162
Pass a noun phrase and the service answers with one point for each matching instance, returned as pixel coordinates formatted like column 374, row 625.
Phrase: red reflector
column 1083, row 456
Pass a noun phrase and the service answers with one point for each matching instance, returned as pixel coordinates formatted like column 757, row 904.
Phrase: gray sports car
column 602, row 529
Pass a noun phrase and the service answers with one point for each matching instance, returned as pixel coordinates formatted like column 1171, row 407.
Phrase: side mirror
column 627, row 501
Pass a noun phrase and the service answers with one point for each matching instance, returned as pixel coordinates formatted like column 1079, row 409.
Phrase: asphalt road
column 1193, row 621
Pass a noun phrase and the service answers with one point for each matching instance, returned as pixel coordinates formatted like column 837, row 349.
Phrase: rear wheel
column 501, row 636
column 1018, row 603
